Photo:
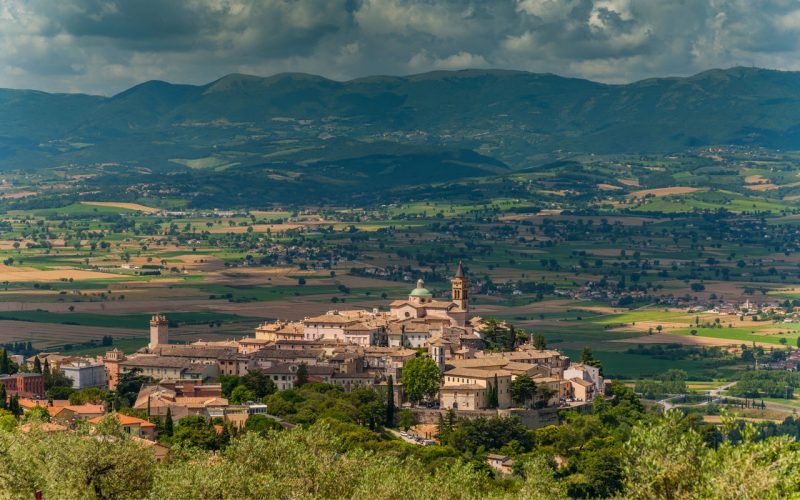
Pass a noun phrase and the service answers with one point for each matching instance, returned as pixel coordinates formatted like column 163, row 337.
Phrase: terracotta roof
column 124, row 420
column 79, row 409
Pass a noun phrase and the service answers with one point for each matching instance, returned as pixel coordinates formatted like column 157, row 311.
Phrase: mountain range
column 505, row 118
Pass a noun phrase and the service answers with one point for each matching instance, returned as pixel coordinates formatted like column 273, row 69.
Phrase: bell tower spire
column 460, row 288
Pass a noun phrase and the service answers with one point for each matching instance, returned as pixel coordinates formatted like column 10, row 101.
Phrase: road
column 717, row 397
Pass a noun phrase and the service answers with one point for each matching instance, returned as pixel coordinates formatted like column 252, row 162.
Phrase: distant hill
column 510, row 116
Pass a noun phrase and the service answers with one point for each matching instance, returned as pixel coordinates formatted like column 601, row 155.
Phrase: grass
column 622, row 365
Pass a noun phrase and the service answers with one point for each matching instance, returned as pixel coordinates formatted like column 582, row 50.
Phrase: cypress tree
column 4, row 361
column 495, row 395
column 3, row 397
column 168, row 426
column 46, row 368
column 14, row 407
column 37, row 365
column 389, row 401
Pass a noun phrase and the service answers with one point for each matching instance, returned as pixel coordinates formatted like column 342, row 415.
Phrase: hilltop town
column 346, row 348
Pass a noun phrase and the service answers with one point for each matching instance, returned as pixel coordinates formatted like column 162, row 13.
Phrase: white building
column 85, row 374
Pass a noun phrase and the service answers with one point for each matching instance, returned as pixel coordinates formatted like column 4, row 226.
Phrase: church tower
column 460, row 288
column 159, row 331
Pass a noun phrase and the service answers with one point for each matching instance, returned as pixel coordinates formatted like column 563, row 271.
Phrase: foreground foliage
column 663, row 458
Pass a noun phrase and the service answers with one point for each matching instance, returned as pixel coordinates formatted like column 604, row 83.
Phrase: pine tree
column 389, row 401
column 37, row 365
column 168, row 426
column 3, row 397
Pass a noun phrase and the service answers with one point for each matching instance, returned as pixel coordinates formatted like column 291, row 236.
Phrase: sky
column 106, row 46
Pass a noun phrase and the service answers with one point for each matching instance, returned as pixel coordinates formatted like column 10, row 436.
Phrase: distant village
column 348, row 348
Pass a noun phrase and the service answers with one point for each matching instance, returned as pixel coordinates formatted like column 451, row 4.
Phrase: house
column 160, row 452
column 70, row 414
column 501, row 463
column 136, row 427
column 582, row 390
column 586, row 373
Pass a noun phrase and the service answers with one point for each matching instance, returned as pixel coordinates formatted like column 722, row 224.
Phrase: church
column 410, row 322
column 421, row 305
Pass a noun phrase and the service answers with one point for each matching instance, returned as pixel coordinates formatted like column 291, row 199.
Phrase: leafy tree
column 407, row 419
column 69, row 465
column 195, row 431
column 37, row 414
column 523, row 389
column 261, row 424
column 260, row 383
column 421, row 378
column 89, row 395
column 59, row 392
column 56, row 379
column 242, row 394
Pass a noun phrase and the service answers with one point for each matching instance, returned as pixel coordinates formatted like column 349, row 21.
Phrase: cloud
column 105, row 46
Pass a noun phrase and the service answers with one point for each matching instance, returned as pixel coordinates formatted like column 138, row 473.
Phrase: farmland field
column 643, row 260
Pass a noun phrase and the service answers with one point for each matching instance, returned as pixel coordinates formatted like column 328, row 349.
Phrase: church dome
column 420, row 291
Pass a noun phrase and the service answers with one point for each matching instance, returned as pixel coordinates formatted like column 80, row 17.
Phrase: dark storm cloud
column 107, row 45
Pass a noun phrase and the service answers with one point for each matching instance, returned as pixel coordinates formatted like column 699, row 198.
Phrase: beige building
column 466, row 388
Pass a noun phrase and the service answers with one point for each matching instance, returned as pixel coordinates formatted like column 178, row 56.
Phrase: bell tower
column 159, row 331
column 460, row 288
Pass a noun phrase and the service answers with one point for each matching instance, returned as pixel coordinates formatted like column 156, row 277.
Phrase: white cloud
column 107, row 45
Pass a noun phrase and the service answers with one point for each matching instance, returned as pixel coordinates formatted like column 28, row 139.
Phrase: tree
column 421, row 378
column 587, row 358
column 261, row 424
column 489, row 395
column 3, row 397
column 14, row 406
column 523, row 389
column 4, row 364
column 37, row 365
column 302, row 374
column 59, row 393
column 242, row 394
column 389, row 401
column 539, row 342
column 169, row 426
column 259, row 383
column 407, row 419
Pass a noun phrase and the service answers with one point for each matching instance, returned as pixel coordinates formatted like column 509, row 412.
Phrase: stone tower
column 460, row 288
column 159, row 331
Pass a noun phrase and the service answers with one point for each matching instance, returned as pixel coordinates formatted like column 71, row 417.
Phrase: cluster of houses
column 348, row 348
